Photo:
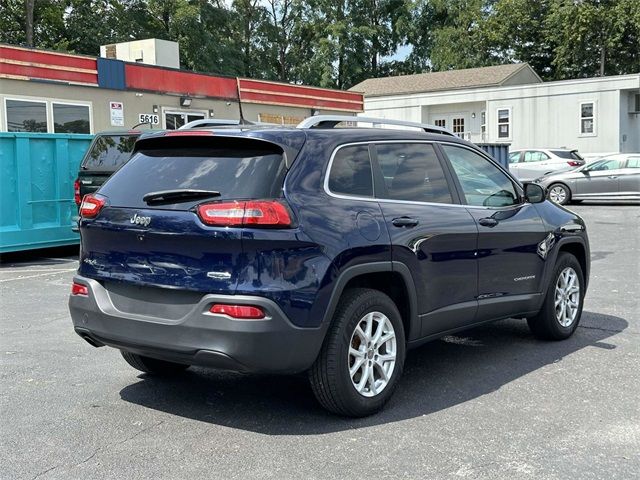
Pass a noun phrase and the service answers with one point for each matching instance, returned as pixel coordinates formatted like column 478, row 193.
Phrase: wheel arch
column 578, row 250
column 391, row 278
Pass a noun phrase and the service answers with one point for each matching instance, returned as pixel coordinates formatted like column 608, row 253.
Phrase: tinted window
column 412, row 172
column 573, row 155
column 25, row 116
column 108, row 152
column 351, row 172
column 70, row 118
column 235, row 173
column 482, row 182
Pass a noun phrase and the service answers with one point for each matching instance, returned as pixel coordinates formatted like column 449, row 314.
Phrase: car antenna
column 242, row 119
column 143, row 123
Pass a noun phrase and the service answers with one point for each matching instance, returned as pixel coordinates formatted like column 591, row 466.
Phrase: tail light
column 259, row 213
column 76, row 192
column 573, row 163
column 79, row 289
column 91, row 206
column 242, row 312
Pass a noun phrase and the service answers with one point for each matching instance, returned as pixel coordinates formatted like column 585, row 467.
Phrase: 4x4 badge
column 138, row 220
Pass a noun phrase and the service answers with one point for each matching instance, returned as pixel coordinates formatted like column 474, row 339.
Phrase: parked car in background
column 616, row 177
column 108, row 152
column 530, row 164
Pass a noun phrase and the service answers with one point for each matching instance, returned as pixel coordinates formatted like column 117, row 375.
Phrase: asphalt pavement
column 489, row 403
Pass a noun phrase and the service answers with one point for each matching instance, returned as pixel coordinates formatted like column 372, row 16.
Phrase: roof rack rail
column 330, row 121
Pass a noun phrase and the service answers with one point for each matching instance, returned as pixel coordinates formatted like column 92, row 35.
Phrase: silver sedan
column 616, row 177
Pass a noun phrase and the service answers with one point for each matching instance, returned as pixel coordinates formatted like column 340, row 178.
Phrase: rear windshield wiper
column 178, row 196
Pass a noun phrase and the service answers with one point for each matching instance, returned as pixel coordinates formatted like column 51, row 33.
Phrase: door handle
column 613, row 176
column 404, row 222
column 488, row 222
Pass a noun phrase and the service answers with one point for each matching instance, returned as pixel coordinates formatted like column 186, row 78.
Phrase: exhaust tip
column 86, row 336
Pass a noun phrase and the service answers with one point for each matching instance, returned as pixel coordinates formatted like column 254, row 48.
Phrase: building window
column 26, row 116
column 441, row 122
column 587, row 118
column 504, row 123
column 483, row 125
column 175, row 119
column 69, row 118
column 458, row 126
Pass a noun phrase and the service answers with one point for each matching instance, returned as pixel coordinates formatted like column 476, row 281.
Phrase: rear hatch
column 181, row 239
column 105, row 155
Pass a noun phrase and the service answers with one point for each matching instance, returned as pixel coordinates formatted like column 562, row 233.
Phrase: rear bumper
column 272, row 345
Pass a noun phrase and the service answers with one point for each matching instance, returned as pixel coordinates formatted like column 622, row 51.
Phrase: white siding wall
column 542, row 115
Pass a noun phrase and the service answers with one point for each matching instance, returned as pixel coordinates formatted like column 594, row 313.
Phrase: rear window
column 573, row 155
column 240, row 173
column 109, row 152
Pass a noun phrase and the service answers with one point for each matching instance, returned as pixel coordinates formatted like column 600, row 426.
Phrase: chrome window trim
column 410, row 202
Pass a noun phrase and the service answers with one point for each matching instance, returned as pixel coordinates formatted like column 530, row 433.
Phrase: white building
column 510, row 104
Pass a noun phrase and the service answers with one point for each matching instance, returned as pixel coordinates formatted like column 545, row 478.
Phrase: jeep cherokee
column 315, row 249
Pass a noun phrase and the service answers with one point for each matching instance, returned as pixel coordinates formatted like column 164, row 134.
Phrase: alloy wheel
column 567, row 297
column 558, row 194
column 372, row 354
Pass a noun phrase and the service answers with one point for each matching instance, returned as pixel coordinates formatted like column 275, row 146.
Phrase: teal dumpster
column 37, row 171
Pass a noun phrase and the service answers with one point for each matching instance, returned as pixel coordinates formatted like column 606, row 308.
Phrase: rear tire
column 559, row 193
column 362, row 357
column 562, row 308
column 153, row 366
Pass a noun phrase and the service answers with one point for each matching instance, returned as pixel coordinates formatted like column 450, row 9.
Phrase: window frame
column 327, row 180
column 594, row 106
column 509, row 123
column 378, row 176
column 75, row 104
column 25, row 99
column 463, row 199
column 48, row 101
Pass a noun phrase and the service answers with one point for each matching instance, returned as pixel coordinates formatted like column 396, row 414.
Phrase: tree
column 516, row 32
column 595, row 37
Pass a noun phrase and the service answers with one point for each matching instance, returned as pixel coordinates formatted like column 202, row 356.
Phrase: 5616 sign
column 151, row 118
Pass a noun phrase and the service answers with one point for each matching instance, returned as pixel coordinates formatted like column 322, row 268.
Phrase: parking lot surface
column 491, row 403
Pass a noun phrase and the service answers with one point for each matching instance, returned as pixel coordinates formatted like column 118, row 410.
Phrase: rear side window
column 633, row 162
column 573, row 155
column 533, row 156
column 351, row 172
column 238, row 173
column 109, row 152
column 412, row 172
column 483, row 183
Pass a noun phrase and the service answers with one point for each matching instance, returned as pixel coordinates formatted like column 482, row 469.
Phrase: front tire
column 562, row 308
column 153, row 366
column 559, row 193
column 361, row 360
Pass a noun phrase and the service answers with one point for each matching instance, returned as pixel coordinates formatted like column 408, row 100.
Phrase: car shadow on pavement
column 437, row 376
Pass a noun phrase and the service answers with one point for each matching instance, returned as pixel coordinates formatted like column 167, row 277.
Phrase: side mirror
column 534, row 193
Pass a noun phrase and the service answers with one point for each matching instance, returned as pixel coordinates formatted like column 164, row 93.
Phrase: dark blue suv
column 318, row 249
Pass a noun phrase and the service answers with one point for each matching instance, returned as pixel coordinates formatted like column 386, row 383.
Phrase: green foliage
column 338, row 43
